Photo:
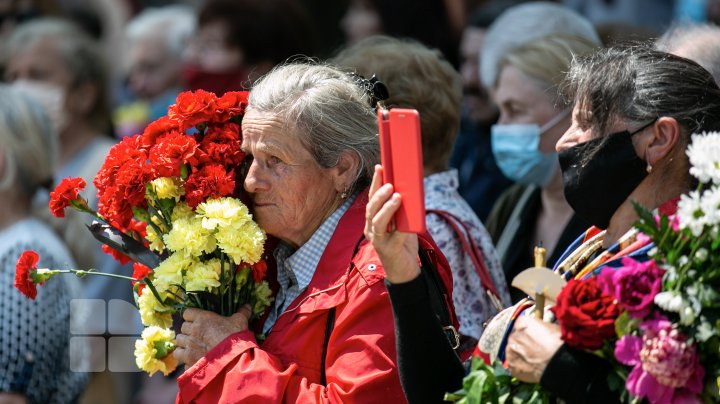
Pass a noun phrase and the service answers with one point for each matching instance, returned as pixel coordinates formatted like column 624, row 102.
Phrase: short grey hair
column 698, row 42
column 326, row 109
column 29, row 145
column 175, row 24
column 526, row 23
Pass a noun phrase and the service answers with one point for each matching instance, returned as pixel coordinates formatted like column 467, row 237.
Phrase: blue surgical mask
column 515, row 147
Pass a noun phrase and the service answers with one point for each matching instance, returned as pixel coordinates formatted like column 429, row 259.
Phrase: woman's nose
column 254, row 181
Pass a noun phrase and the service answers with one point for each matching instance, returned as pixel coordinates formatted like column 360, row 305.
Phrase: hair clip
column 375, row 89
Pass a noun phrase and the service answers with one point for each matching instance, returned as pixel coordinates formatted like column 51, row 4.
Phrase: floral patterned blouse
column 472, row 305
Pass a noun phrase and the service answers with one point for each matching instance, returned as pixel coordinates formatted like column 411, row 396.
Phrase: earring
column 344, row 194
column 648, row 168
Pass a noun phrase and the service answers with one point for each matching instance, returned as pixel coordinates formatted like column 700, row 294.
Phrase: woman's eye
column 272, row 160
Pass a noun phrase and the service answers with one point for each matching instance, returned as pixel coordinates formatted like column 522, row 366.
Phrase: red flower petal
column 23, row 269
column 67, row 191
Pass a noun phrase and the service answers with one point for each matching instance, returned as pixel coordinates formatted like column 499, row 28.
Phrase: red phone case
column 401, row 154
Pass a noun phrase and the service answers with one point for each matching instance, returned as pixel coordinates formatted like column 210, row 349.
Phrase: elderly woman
column 310, row 132
column 634, row 111
column 35, row 334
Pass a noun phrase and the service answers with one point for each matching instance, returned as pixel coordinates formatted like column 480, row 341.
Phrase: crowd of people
column 541, row 124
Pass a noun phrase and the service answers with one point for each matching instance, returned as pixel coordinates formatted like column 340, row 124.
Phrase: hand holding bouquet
column 170, row 199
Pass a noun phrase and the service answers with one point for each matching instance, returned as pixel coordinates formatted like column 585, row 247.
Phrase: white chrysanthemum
column 223, row 213
column 170, row 271
column 203, row 276
column 242, row 245
column 168, row 187
column 690, row 213
column 710, row 205
column 152, row 312
column 189, row 236
column 153, row 352
column 704, row 154
column 670, row 301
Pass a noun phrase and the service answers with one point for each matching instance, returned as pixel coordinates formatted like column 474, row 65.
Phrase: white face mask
column 50, row 96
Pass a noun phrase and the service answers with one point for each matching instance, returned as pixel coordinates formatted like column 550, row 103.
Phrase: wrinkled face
column 291, row 193
column 521, row 101
column 153, row 68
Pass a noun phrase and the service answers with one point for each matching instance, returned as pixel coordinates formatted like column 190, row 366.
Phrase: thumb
column 245, row 311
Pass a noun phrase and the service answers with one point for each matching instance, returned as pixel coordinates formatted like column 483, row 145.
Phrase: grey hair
column 175, row 24
column 80, row 53
column 29, row 145
column 523, row 24
column 326, row 109
column 698, row 42
column 638, row 85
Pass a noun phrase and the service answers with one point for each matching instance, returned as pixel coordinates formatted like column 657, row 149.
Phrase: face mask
column 50, row 96
column 194, row 78
column 515, row 148
column 597, row 188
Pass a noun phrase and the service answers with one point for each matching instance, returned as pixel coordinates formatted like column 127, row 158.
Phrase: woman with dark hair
column 634, row 111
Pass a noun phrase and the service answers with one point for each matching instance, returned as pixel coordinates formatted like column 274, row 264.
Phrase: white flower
column 690, row 213
column 701, row 255
column 670, row 301
column 704, row 154
column 710, row 205
column 683, row 260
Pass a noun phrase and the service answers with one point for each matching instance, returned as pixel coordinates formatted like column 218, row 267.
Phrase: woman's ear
column 345, row 171
column 666, row 134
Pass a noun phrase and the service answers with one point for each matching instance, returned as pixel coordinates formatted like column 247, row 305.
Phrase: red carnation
column 156, row 129
column 140, row 272
column 117, row 255
column 26, row 264
column 258, row 271
column 64, row 194
column 231, row 104
column 170, row 153
column 212, row 181
column 586, row 315
column 221, row 144
column 192, row 108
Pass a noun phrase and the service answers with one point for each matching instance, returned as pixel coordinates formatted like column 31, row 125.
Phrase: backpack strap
column 474, row 252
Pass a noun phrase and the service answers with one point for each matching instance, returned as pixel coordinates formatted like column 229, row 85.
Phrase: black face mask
column 596, row 189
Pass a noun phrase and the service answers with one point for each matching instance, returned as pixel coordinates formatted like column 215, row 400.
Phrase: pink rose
column 634, row 285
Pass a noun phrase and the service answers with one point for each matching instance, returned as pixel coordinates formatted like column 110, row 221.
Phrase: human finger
column 190, row 314
column 187, row 327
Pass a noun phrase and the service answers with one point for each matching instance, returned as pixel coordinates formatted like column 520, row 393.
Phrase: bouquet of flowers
column 170, row 200
column 658, row 321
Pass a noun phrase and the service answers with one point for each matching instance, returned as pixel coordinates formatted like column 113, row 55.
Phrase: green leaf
column 624, row 324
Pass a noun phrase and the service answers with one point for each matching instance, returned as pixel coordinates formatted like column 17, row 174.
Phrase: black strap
column 328, row 331
column 437, row 294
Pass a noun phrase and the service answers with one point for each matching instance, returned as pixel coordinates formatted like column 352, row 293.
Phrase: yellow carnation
column 189, row 236
column 170, row 271
column 263, row 298
column 154, row 351
column 167, row 187
column 181, row 211
column 203, row 275
column 223, row 213
column 155, row 239
column 152, row 312
column 244, row 244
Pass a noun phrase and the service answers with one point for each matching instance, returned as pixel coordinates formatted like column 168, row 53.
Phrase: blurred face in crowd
column 209, row 50
column 477, row 102
column 360, row 21
column 154, row 69
column 521, row 101
column 292, row 194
